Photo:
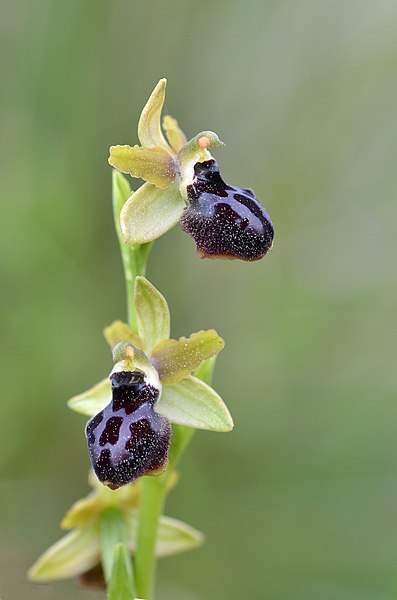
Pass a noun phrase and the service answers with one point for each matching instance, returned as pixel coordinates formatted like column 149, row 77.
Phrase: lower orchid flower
column 151, row 386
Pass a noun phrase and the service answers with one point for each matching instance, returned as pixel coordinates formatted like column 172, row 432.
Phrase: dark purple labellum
column 225, row 221
column 128, row 439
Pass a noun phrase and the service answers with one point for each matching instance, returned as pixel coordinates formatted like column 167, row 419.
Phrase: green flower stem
column 152, row 502
column 134, row 258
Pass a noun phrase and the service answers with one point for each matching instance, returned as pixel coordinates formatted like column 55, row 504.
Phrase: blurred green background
column 300, row 501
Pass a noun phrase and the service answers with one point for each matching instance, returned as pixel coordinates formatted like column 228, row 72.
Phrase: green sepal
column 149, row 127
column 121, row 583
column 175, row 360
column 154, row 165
column 153, row 315
column 175, row 136
column 193, row 403
column 74, row 554
column 117, row 332
column 173, row 536
column 149, row 213
column 93, row 400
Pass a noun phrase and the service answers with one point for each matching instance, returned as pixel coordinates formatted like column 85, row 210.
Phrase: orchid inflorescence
column 158, row 392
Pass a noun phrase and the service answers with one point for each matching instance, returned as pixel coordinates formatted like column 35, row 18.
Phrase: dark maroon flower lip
column 128, row 438
column 225, row 221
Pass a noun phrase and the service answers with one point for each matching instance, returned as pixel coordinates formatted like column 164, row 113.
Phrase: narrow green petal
column 154, row 165
column 149, row 213
column 117, row 332
column 121, row 580
column 74, row 554
column 193, row 403
column 153, row 315
column 174, row 133
column 175, row 360
column 149, row 128
column 93, row 400
column 173, row 536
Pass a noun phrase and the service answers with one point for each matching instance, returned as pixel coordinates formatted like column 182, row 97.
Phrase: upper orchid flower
column 184, row 184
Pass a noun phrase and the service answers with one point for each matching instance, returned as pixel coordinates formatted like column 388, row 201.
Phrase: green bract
column 166, row 164
column 185, row 400
column 121, row 581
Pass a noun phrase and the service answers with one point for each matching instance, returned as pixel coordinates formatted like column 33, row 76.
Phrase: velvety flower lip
column 236, row 227
column 225, row 221
column 128, row 438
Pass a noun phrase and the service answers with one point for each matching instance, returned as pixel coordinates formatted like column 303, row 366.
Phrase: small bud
column 128, row 439
column 225, row 221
